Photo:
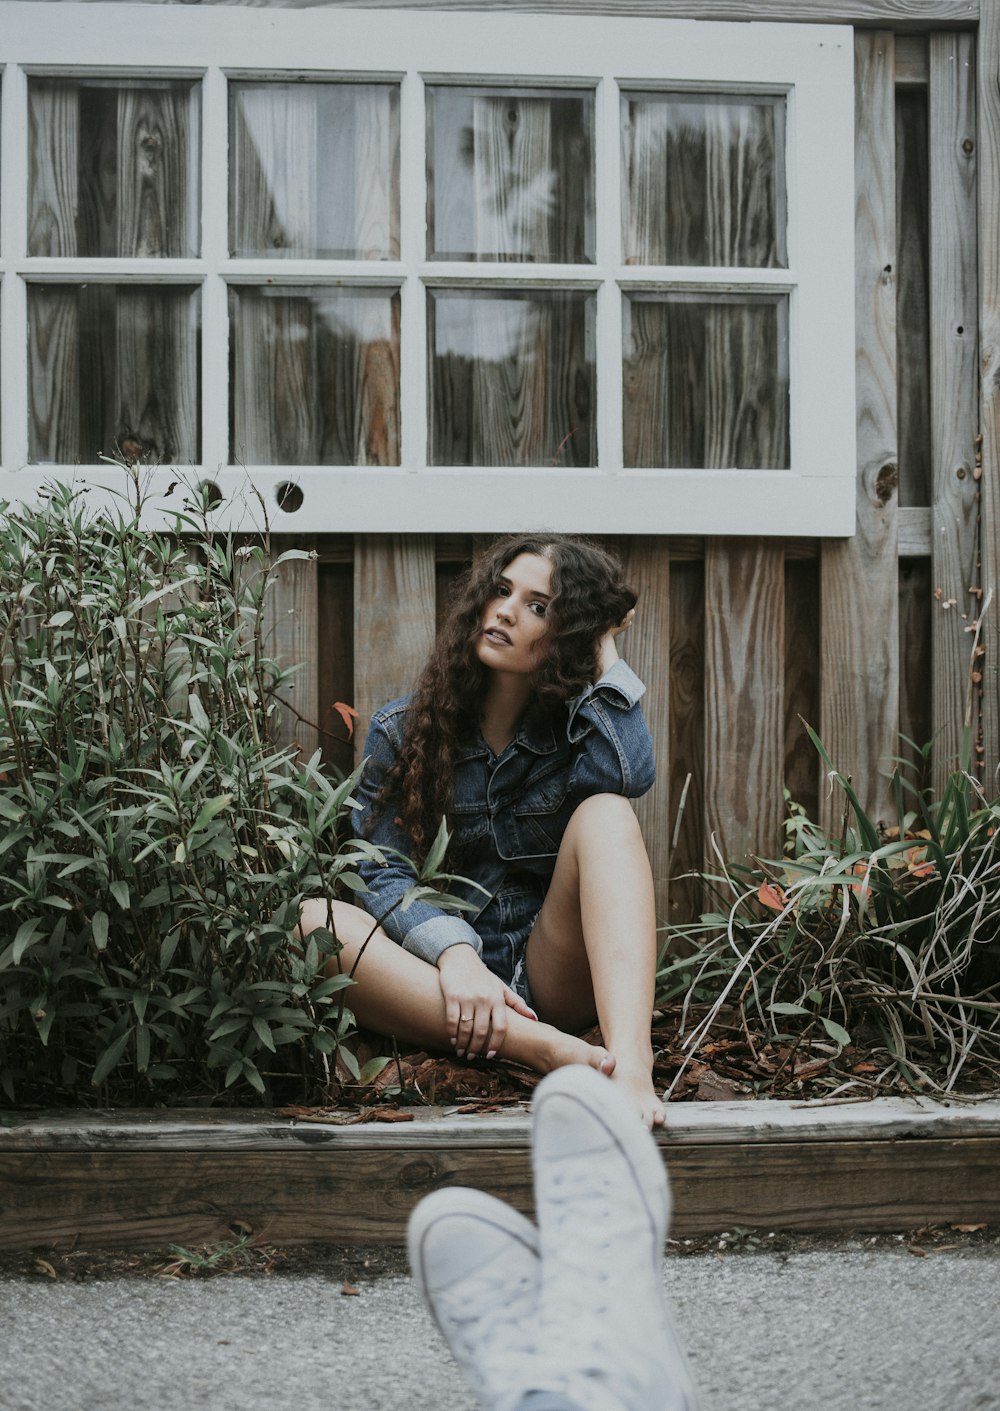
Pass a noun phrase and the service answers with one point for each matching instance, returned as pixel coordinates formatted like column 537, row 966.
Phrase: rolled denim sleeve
column 421, row 928
column 613, row 749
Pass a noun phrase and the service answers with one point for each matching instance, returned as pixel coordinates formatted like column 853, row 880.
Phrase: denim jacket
column 509, row 811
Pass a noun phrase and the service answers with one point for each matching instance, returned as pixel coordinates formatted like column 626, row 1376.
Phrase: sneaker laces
column 602, row 1304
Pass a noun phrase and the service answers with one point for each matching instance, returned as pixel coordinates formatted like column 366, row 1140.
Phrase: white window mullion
column 13, row 240
column 413, row 255
column 609, row 300
column 214, row 293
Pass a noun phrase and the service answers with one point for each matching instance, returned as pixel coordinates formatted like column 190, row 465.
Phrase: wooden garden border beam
column 148, row 1179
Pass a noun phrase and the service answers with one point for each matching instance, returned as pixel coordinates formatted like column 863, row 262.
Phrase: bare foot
column 636, row 1083
column 567, row 1048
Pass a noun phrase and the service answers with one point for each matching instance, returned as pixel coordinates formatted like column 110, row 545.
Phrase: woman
column 525, row 732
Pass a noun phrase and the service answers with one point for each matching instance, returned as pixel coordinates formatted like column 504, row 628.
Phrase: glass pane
column 706, row 381
column 510, row 175
column 512, row 377
column 113, row 370
column 703, row 179
column 314, row 170
column 314, row 376
column 113, row 167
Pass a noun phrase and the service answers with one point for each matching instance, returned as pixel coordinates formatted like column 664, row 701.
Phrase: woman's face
column 514, row 619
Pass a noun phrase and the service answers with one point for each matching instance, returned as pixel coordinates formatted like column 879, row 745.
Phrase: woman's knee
column 604, row 816
column 351, row 925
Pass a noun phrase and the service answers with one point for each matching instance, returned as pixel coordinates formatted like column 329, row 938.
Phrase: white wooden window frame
column 812, row 64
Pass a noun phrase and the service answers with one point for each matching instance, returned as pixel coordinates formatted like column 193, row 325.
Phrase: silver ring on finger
column 466, row 1018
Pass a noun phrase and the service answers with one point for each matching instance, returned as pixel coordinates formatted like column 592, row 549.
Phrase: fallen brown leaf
column 968, row 1229
column 44, row 1267
column 350, row 1291
column 915, row 1249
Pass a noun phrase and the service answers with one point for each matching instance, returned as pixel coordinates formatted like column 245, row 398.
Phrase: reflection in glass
column 113, row 370
column 314, row 170
column 314, row 376
column 703, row 179
column 113, row 167
column 512, row 377
column 510, row 175
column 706, row 381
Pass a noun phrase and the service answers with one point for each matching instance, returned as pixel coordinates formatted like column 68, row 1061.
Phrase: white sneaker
column 606, row 1337
column 476, row 1262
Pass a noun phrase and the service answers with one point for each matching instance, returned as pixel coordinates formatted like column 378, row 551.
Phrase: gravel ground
column 781, row 1325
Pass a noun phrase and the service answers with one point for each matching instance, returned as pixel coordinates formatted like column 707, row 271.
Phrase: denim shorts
column 504, row 926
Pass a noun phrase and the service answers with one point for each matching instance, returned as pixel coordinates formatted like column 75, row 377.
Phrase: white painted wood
column 813, row 64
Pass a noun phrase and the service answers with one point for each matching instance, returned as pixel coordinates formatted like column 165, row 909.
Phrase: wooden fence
column 739, row 640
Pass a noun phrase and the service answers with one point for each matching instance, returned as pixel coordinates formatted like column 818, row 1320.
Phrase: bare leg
column 593, row 948
column 398, row 994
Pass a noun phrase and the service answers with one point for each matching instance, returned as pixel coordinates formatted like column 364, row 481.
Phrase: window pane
column 113, row 167
column 510, row 175
column 706, row 381
column 113, row 369
column 314, row 376
column 314, row 170
column 704, row 179
column 512, row 377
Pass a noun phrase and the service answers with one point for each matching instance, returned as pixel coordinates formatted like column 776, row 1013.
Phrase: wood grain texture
column 954, row 385
column 354, row 1195
column 744, row 696
column 686, row 754
column 394, row 619
column 53, row 148
column 291, row 627
column 153, row 166
column 859, row 607
column 54, row 387
column 646, row 647
column 917, row 15
column 988, row 110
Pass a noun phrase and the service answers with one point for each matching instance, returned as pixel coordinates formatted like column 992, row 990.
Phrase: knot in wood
column 968, row 146
column 421, row 1174
column 886, row 482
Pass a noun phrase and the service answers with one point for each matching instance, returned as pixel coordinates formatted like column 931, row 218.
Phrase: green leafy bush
column 887, row 937
column 154, row 845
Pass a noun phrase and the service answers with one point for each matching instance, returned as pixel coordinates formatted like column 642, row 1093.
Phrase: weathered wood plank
column 646, row 646
column 291, row 625
column 860, row 632
column 359, row 1196
column 988, row 106
column 394, row 618
column 954, row 389
column 911, row 61
column 744, row 696
column 917, row 15
column 703, row 1123
column 54, row 157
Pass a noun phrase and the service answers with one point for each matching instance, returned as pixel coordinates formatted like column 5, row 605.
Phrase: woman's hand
column 607, row 647
column 475, row 1003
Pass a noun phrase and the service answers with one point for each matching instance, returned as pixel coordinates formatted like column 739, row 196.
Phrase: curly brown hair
column 589, row 596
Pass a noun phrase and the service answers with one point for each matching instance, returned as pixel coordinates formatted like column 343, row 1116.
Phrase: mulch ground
column 733, row 1064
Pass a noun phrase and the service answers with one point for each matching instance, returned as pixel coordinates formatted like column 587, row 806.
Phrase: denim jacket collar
column 534, row 733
